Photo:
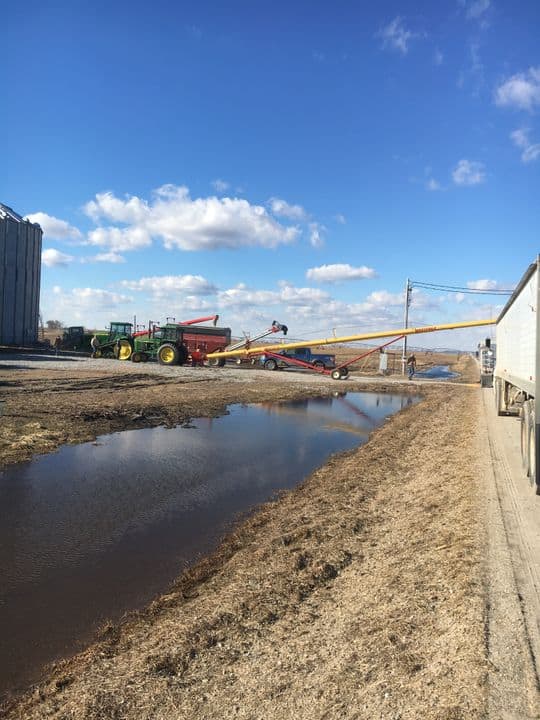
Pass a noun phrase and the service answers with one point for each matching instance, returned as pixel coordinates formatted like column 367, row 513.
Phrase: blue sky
column 288, row 160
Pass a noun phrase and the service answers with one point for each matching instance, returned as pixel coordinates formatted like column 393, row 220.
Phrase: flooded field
column 95, row 530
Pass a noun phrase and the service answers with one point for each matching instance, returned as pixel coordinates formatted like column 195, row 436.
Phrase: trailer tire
column 524, row 437
column 531, row 437
column 168, row 354
column 270, row 364
column 216, row 362
column 336, row 375
column 344, row 373
column 499, row 396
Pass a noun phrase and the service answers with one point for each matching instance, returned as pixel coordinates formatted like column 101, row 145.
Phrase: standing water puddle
column 94, row 530
column 437, row 372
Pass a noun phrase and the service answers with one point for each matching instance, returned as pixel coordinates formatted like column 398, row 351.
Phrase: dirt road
column 379, row 588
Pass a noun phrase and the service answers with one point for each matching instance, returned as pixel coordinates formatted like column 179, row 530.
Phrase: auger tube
column 347, row 338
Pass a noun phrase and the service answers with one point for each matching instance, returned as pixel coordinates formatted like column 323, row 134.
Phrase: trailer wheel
column 124, row 349
column 168, row 354
column 216, row 362
column 270, row 364
column 499, row 397
column 524, row 436
column 532, row 446
column 344, row 373
column 336, row 374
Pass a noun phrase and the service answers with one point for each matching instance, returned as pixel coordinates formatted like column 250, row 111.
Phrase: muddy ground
column 361, row 594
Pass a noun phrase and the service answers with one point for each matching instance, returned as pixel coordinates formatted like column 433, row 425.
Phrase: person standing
column 57, row 344
column 411, row 365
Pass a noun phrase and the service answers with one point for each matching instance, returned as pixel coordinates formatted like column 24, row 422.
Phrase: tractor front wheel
column 168, row 355
column 136, row 357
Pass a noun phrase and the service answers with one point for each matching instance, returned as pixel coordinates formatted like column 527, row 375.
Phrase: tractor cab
column 120, row 330
column 74, row 338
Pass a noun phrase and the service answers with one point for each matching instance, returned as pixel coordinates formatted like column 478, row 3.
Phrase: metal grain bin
column 20, row 273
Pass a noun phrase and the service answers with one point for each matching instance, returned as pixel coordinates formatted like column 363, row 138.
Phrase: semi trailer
column 516, row 374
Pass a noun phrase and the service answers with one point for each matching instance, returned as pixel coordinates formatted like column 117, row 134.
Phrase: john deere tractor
column 116, row 342
column 165, row 343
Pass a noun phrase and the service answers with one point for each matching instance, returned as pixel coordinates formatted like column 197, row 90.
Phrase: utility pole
column 408, row 289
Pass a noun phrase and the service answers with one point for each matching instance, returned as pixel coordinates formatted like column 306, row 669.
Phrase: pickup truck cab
column 322, row 360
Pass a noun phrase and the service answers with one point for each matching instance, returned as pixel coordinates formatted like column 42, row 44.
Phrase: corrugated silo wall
column 20, row 275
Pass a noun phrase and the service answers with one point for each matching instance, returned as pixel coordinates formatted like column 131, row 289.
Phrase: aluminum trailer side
column 517, row 366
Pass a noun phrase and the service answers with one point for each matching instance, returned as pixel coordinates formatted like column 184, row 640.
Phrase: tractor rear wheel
column 124, row 349
column 168, row 355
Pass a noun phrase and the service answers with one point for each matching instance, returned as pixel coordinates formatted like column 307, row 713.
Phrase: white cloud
column 396, row 36
column 110, row 257
column 341, row 219
column 382, row 298
column 185, row 223
column 285, row 209
column 521, row 91
column 339, row 272
column 486, row 284
column 220, row 185
column 54, row 227
column 438, row 57
column 469, row 172
column 531, row 151
column 164, row 285
column 433, row 185
column 88, row 299
column 316, row 234
column 120, row 239
column 55, row 258
column 477, row 8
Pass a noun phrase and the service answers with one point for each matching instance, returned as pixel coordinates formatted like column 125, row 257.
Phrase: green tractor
column 75, row 338
column 165, row 343
column 117, row 342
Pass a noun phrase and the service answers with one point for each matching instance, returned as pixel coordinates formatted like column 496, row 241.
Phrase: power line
column 457, row 289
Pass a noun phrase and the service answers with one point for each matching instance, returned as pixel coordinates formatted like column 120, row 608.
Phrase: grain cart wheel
column 182, row 354
column 136, row 357
column 124, row 349
column 524, row 436
column 168, row 354
column 216, row 362
column 97, row 354
column 270, row 364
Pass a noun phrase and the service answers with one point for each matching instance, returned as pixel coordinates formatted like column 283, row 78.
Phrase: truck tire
column 524, row 437
column 168, row 354
column 532, row 447
column 270, row 364
column 500, row 407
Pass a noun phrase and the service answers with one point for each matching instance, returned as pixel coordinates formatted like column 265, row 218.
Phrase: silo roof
column 6, row 211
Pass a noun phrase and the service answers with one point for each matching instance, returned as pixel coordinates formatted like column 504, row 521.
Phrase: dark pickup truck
column 322, row 360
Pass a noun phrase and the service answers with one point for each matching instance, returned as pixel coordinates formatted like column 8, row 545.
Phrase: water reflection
column 93, row 530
